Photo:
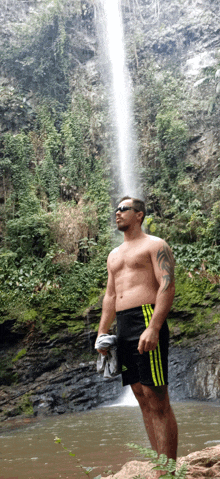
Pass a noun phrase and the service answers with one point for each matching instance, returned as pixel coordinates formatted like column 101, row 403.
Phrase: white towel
column 107, row 364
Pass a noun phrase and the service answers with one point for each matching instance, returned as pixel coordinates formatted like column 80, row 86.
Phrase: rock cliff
column 53, row 377
column 194, row 370
column 58, row 376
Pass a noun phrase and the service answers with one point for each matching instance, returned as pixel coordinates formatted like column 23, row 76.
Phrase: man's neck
column 133, row 234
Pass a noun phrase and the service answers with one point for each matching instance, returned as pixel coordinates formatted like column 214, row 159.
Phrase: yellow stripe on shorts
column 150, row 352
column 155, row 356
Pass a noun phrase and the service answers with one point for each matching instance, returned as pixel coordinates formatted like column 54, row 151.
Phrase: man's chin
column 122, row 227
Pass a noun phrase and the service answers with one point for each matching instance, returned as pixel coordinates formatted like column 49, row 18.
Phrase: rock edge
column 205, row 463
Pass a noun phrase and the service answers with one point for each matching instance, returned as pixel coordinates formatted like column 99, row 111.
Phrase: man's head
column 128, row 211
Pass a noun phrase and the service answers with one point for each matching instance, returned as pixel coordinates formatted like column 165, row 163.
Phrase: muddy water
column 98, row 438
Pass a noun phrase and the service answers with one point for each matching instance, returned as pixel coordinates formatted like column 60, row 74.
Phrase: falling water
column 127, row 398
column 122, row 116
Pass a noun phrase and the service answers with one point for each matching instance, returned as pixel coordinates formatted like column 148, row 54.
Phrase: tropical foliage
column 55, row 211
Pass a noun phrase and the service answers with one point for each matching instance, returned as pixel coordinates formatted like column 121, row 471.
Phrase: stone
column 132, row 469
column 201, row 464
column 205, row 463
column 65, row 384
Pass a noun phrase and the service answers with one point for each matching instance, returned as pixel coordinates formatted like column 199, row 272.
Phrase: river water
column 98, row 438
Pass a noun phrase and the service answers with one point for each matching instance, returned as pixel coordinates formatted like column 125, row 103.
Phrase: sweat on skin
column 141, row 272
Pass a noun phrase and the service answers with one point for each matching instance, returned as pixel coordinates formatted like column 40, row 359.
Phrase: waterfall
column 112, row 39
column 127, row 398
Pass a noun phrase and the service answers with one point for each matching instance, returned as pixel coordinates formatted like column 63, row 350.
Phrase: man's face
column 124, row 219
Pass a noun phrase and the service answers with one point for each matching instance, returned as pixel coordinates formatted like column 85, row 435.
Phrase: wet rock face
column 77, row 390
column 63, row 390
column 194, row 371
column 52, row 378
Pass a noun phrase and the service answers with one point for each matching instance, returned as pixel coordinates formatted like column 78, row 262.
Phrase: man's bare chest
column 130, row 258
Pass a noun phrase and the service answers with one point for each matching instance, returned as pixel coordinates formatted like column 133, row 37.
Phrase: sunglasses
column 124, row 208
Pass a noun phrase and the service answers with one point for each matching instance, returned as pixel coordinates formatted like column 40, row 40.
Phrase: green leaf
column 57, row 440
column 89, row 469
column 143, row 450
column 160, row 467
column 171, row 466
column 166, row 476
column 71, row 454
column 162, row 459
column 181, row 473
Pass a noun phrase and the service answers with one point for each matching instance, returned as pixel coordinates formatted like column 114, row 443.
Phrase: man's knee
column 140, row 395
column 158, row 399
column 154, row 398
column 160, row 392
column 137, row 390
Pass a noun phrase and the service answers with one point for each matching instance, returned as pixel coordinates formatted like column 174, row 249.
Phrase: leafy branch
column 85, row 470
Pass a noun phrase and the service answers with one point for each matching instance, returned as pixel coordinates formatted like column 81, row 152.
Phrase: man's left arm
column 163, row 265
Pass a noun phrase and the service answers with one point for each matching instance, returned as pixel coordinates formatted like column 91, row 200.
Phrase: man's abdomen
column 136, row 296
column 134, row 288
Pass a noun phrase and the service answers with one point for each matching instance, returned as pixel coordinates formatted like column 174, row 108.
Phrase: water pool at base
column 98, row 438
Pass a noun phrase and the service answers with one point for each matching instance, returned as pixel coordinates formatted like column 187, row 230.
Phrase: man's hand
column 148, row 340
column 102, row 351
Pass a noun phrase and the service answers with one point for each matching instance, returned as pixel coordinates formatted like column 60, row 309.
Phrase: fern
column 162, row 463
column 181, row 473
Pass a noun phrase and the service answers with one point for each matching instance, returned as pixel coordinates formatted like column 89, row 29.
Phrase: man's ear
column 140, row 215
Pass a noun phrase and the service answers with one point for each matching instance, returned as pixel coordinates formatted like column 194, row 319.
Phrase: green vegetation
column 23, row 406
column 84, row 470
column 19, row 355
column 55, row 210
column 162, row 463
column 196, row 304
column 56, row 233
column 8, row 375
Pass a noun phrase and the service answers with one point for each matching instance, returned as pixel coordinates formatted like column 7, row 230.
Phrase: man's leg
column 158, row 418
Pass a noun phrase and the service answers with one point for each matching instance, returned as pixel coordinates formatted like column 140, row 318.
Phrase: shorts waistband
column 133, row 310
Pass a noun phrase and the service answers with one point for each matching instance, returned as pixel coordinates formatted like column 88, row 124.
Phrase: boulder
column 205, row 463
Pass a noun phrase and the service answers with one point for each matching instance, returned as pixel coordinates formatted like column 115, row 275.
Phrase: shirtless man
column 140, row 292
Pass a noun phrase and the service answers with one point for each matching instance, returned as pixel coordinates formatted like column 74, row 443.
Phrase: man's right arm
column 108, row 305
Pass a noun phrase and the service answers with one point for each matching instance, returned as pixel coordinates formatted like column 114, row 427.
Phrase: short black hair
column 138, row 205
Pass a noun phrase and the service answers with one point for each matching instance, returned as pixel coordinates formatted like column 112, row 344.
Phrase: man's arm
column 163, row 265
column 108, row 305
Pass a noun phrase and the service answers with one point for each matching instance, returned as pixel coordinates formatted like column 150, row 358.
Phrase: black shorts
column 151, row 367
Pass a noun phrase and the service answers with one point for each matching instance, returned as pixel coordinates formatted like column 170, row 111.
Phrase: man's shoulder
column 154, row 238
column 112, row 253
column 155, row 241
column 155, row 244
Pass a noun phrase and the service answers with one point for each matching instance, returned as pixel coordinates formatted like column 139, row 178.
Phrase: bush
column 173, row 137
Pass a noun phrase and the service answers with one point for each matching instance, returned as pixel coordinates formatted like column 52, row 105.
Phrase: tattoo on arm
column 166, row 262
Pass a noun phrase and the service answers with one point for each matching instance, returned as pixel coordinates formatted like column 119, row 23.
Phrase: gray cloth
column 108, row 364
